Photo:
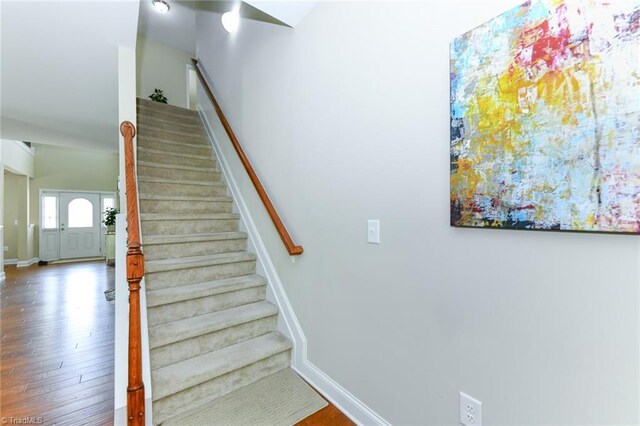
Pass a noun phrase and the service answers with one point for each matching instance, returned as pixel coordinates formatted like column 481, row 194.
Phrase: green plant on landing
column 110, row 216
column 158, row 96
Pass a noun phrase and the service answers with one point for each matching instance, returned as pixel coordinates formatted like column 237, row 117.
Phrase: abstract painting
column 545, row 118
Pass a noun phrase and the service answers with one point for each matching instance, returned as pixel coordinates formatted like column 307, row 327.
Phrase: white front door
column 79, row 225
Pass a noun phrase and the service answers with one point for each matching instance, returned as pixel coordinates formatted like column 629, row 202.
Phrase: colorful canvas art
column 545, row 118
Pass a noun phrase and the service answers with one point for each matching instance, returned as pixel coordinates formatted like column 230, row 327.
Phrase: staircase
column 211, row 331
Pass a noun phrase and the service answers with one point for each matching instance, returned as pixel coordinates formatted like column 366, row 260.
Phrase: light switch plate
column 15, row 222
column 6, row 248
column 373, row 231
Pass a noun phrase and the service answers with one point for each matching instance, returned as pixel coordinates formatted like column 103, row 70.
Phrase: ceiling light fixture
column 230, row 21
column 161, row 5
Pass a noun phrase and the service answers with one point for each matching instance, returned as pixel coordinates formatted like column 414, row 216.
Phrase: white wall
column 17, row 157
column 346, row 119
column 15, row 226
column 163, row 67
column 58, row 167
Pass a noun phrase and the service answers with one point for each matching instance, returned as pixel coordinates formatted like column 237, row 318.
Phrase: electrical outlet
column 470, row 410
column 6, row 248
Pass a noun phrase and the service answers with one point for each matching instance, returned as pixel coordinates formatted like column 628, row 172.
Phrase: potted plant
column 158, row 96
column 110, row 219
column 110, row 236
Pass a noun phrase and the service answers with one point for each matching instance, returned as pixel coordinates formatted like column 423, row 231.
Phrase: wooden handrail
column 135, row 272
column 292, row 248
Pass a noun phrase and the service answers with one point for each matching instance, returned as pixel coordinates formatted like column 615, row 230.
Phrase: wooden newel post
column 135, row 272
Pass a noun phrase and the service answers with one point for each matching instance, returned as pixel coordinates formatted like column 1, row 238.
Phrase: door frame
column 56, row 192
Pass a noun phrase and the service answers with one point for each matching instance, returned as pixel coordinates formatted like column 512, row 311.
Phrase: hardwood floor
column 57, row 337
column 328, row 416
column 56, row 347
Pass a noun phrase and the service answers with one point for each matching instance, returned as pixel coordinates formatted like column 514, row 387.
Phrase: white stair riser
column 179, row 174
column 196, row 248
column 152, row 143
column 197, row 395
column 169, row 159
column 182, row 206
column 164, row 279
column 185, row 349
column 161, row 188
column 176, row 227
column 204, row 305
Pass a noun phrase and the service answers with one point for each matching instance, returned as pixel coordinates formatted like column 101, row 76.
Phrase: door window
column 107, row 202
column 80, row 213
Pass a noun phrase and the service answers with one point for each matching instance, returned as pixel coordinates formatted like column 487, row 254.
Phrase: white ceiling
column 289, row 13
column 59, row 64
column 176, row 28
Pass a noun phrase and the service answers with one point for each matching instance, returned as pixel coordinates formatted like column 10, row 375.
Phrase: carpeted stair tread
column 282, row 398
column 152, row 266
column 159, row 128
column 146, row 103
column 211, row 329
column 167, row 112
column 149, row 115
column 190, row 216
column 142, row 148
column 146, row 140
column 150, row 119
column 154, row 179
column 150, row 131
column 165, row 334
column 178, row 114
column 208, row 199
column 176, row 166
column 182, row 293
column 192, row 238
column 191, row 372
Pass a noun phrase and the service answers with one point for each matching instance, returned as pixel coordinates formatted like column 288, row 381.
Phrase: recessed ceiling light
column 160, row 5
column 230, row 21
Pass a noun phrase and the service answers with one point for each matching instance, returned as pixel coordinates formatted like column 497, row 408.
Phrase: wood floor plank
column 82, row 370
column 57, row 343
column 329, row 415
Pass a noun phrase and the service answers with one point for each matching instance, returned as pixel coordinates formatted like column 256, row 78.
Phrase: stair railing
column 135, row 272
column 292, row 248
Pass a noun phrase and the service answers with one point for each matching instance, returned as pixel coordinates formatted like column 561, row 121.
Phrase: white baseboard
column 344, row 401
column 9, row 262
column 25, row 263
column 351, row 406
column 80, row 259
